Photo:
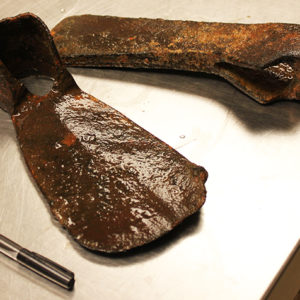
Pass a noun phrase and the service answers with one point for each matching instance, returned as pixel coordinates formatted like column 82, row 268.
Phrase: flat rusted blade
column 262, row 60
column 110, row 183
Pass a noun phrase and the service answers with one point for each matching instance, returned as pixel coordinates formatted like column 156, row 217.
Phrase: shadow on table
column 281, row 116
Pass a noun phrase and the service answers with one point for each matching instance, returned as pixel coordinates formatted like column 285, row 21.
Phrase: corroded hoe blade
column 262, row 60
column 110, row 183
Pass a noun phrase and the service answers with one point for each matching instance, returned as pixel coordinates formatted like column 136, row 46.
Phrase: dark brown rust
column 262, row 60
column 110, row 183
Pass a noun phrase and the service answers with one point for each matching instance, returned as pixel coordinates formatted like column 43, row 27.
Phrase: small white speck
column 70, row 222
column 57, row 145
column 62, row 166
column 182, row 136
column 62, row 10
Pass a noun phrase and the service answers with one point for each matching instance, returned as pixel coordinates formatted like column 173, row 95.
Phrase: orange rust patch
column 69, row 139
column 94, row 99
column 78, row 97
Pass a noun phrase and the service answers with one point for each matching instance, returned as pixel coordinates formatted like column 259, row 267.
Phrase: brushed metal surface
column 233, row 248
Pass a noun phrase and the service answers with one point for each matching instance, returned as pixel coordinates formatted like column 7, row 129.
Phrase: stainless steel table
column 250, row 222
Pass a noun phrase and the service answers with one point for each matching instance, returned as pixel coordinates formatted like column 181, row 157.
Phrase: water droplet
column 182, row 136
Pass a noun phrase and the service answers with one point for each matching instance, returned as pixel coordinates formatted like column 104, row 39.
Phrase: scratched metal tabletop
column 250, row 222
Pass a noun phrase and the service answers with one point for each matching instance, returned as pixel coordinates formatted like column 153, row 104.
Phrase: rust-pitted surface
column 110, row 183
column 262, row 60
column 10, row 89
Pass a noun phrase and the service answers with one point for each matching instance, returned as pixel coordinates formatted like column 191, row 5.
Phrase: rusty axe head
column 110, row 183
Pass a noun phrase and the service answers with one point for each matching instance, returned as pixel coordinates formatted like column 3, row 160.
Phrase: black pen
column 37, row 263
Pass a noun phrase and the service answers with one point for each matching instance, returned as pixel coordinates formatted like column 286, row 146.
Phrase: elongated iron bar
column 262, row 60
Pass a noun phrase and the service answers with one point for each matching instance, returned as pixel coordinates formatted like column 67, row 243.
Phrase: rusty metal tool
column 110, row 183
column 262, row 60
